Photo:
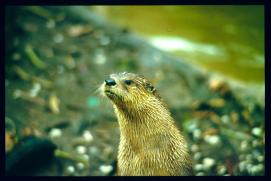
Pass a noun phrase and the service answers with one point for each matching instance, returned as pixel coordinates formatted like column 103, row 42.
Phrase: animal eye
column 128, row 82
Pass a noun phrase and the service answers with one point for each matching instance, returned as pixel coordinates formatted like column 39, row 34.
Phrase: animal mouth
column 109, row 93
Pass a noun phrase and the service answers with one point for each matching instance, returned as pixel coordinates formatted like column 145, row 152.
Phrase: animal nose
column 110, row 82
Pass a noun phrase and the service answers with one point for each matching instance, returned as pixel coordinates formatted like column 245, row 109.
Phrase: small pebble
column 80, row 166
column 85, row 157
column 208, row 163
column 255, row 153
column 35, row 90
column 221, row 170
column 225, row 119
column 255, row 143
column 242, row 166
column 260, row 167
column 197, row 155
column 81, row 149
column 108, row 150
column 60, row 69
column 260, row 158
column 17, row 93
column 70, row 169
column 214, row 84
column 50, row 24
column 55, row 133
column 100, row 58
column 198, row 167
column 104, row 40
column 192, row 127
column 194, row 148
column 256, row 131
column 196, row 134
column 254, row 170
column 213, row 140
column 58, row 38
column 244, row 145
column 106, row 168
column 87, row 136
column 93, row 150
column 200, row 174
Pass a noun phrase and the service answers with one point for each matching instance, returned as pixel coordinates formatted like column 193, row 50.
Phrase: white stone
column 213, row 140
column 200, row 174
column 256, row 169
column 50, row 24
column 106, row 168
column 85, row 157
column 242, row 166
column 208, row 162
column 198, row 167
column 194, row 148
column 80, row 166
column 225, row 119
column 197, row 155
column 256, row 131
column 221, row 170
column 244, row 145
column 58, row 38
column 197, row 133
column 70, row 169
column 55, row 133
column 81, row 149
column 93, row 150
column 87, row 136
column 104, row 40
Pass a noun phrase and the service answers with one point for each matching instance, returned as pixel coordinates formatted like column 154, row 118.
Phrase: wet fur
column 150, row 143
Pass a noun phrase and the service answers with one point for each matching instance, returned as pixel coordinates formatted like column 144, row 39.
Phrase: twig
column 35, row 60
column 63, row 154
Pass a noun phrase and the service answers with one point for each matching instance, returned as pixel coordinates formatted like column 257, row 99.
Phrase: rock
column 70, row 169
column 208, row 163
column 81, row 149
column 256, row 131
column 87, row 136
column 105, row 169
column 213, row 140
column 55, row 133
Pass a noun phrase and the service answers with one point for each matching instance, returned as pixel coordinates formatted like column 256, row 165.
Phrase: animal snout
column 110, row 82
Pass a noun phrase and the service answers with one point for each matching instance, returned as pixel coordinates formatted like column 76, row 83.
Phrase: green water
column 226, row 39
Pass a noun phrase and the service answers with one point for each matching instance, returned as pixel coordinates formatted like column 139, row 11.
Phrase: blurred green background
column 225, row 38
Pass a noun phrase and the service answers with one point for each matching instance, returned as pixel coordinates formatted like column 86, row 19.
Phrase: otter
column 150, row 142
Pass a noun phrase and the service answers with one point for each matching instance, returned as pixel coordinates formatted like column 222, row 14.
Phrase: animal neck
column 146, row 118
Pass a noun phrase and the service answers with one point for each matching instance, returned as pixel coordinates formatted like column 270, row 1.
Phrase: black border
column 267, row 8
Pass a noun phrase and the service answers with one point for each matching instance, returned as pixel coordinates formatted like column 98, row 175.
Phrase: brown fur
column 150, row 143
